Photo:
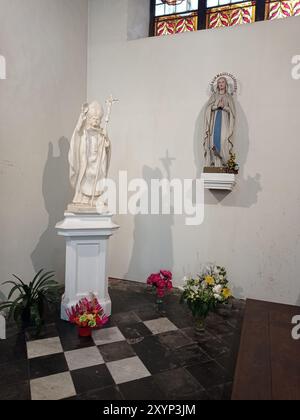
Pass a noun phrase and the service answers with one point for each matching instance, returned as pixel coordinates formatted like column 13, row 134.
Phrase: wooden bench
column 268, row 365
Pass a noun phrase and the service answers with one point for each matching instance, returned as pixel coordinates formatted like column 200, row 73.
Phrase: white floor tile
column 161, row 325
column 127, row 370
column 107, row 336
column 82, row 358
column 44, row 347
column 54, row 387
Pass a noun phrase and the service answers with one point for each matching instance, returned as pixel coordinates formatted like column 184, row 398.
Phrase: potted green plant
column 28, row 306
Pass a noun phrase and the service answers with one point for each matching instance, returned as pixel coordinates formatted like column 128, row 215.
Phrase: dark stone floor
column 176, row 364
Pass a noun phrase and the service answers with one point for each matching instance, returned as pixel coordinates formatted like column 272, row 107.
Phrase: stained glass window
column 230, row 14
column 176, row 16
column 282, row 9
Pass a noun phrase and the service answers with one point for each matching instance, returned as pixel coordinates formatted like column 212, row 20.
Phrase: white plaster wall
column 162, row 87
column 45, row 46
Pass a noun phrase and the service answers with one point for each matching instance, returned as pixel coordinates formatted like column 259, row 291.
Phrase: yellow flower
column 209, row 280
column 90, row 317
column 226, row 293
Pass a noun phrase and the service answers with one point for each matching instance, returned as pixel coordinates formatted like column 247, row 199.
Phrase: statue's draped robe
column 87, row 148
column 219, row 130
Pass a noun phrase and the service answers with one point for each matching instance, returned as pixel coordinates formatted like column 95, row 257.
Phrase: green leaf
column 13, row 307
column 15, row 288
column 11, row 282
column 16, row 277
column 45, row 277
column 5, row 305
column 36, row 278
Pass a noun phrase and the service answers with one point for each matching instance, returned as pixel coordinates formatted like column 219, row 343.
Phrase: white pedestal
column 219, row 181
column 87, row 237
column 2, row 328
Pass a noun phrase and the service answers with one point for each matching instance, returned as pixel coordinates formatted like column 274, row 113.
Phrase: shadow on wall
column 246, row 192
column 153, row 244
column 50, row 250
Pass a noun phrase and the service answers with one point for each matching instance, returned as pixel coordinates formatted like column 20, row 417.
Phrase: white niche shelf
column 219, row 181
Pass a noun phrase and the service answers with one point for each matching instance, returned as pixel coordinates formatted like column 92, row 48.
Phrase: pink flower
column 90, row 307
column 161, row 284
column 153, row 279
column 166, row 274
column 160, row 293
column 169, row 285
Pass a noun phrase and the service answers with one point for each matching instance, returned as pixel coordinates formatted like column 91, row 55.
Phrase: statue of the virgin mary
column 220, row 118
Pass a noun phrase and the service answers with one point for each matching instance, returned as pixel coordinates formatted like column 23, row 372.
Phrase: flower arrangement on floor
column 203, row 293
column 162, row 283
column 87, row 315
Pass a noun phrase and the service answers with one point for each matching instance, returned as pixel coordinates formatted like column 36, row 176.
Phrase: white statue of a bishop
column 89, row 157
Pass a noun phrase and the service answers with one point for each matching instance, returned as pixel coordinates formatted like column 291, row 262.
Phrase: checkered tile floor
column 143, row 354
column 62, row 367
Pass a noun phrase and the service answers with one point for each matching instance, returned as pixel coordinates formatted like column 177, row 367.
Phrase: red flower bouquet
column 162, row 282
column 87, row 315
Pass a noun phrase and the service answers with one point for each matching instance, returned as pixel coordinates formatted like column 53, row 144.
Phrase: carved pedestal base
column 87, row 237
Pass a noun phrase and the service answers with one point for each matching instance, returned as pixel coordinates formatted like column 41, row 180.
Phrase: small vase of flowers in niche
column 161, row 283
column 205, row 292
column 87, row 315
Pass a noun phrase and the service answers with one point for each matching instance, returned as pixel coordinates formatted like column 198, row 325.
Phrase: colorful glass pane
column 231, row 15
column 176, row 24
column 171, row 7
column 282, row 9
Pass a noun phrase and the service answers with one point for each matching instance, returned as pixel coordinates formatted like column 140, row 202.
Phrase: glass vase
column 199, row 323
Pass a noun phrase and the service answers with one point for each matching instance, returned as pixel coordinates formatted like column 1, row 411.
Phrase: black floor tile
column 215, row 348
column 69, row 338
column 143, row 389
column 197, row 337
column 77, row 343
column 116, row 351
column 174, row 339
column 191, row 355
column 219, row 328
column 230, row 340
column 208, row 342
column 125, row 318
column 221, row 392
column 48, row 331
column 149, row 312
column 228, row 362
column 156, row 357
column 134, row 333
column 16, row 392
column 13, row 349
column 92, row 378
column 209, row 374
column 66, row 330
column 118, row 304
column 179, row 384
column 47, row 365
column 110, row 393
column 13, row 372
